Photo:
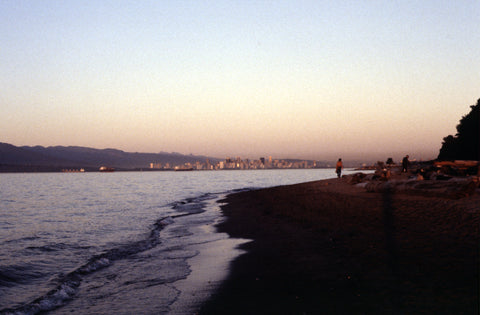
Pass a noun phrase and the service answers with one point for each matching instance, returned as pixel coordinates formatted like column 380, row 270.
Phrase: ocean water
column 122, row 243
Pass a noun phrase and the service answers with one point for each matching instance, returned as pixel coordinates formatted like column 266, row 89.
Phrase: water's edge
column 100, row 243
column 209, row 268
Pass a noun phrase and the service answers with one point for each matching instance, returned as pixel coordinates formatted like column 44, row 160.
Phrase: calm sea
column 123, row 243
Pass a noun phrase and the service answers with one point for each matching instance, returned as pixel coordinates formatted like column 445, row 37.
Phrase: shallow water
column 120, row 242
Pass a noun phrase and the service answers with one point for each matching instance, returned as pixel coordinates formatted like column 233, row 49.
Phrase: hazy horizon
column 332, row 158
column 318, row 80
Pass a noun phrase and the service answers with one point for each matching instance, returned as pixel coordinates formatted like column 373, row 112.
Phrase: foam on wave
column 69, row 283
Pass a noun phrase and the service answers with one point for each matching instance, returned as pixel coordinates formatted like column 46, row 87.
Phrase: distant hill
column 55, row 158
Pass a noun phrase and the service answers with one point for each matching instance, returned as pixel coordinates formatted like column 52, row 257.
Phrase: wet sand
column 208, row 269
column 328, row 247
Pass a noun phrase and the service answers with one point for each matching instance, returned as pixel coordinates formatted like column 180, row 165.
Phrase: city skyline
column 81, row 159
column 317, row 80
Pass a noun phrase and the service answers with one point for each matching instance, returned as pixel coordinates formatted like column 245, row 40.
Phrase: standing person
column 339, row 168
column 405, row 163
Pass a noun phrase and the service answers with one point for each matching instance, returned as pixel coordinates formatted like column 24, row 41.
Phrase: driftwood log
column 454, row 188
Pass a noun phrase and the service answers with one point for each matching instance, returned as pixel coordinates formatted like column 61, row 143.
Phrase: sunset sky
column 290, row 79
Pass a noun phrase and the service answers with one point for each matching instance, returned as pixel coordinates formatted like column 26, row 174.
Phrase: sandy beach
column 330, row 247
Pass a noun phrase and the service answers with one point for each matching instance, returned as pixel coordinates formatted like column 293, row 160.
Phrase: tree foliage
column 465, row 145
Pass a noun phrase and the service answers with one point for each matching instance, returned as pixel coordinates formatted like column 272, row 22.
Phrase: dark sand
column 328, row 247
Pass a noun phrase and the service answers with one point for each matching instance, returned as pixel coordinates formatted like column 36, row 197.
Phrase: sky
column 289, row 79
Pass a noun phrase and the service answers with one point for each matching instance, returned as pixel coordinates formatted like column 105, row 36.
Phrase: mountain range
column 56, row 158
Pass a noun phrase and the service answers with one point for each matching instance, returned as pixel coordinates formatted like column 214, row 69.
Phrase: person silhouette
column 339, row 168
column 405, row 163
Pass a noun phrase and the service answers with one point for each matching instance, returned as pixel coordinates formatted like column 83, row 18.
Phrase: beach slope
column 329, row 247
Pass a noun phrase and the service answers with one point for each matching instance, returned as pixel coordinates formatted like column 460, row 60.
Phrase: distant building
column 156, row 165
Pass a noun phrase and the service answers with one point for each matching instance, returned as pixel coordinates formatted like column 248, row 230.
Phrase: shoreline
column 209, row 267
column 332, row 247
column 205, row 278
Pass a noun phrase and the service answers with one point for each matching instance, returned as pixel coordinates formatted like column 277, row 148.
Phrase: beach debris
column 356, row 178
column 458, row 168
column 451, row 180
column 454, row 188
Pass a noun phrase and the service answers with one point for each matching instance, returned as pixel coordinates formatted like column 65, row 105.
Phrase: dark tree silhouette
column 465, row 145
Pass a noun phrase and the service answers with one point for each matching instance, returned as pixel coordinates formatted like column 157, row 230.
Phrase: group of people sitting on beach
column 339, row 166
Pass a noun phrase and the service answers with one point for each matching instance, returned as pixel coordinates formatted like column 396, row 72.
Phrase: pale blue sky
column 307, row 79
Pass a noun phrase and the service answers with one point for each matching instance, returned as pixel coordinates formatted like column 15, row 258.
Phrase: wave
column 17, row 274
column 192, row 205
column 69, row 283
column 197, row 204
column 54, row 247
column 28, row 238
